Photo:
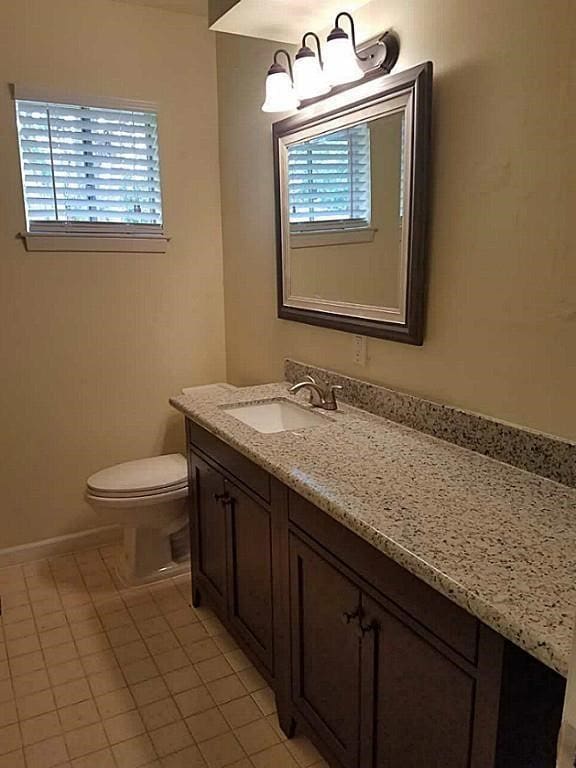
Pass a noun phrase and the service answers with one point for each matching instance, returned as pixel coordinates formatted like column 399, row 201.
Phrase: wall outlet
column 360, row 355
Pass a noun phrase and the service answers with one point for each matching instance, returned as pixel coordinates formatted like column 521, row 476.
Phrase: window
column 90, row 171
column 329, row 182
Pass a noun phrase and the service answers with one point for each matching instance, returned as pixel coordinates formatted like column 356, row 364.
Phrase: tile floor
column 94, row 675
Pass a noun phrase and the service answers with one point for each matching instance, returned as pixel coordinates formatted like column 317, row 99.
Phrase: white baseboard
column 60, row 545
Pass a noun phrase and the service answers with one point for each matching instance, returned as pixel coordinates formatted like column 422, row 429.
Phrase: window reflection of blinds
column 329, row 181
column 89, row 168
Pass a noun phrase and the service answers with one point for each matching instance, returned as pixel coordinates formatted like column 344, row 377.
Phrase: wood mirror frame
column 373, row 90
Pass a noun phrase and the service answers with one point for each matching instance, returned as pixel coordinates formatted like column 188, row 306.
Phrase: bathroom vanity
column 383, row 651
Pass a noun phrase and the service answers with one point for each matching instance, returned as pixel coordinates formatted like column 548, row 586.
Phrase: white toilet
column 147, row 497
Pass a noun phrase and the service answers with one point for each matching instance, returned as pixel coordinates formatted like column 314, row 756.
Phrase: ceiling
column 195, row 7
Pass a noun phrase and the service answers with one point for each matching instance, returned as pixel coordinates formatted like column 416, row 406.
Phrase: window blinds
column 329, row 181
column 89, row 168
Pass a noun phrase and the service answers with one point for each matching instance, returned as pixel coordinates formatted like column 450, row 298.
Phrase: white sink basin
column 275, row 416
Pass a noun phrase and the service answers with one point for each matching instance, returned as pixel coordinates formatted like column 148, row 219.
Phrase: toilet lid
column 159, row 473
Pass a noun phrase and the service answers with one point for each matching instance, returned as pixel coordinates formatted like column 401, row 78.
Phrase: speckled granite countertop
column 497, row 540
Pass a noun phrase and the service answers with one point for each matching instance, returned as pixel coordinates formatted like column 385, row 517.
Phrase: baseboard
column 60, row 545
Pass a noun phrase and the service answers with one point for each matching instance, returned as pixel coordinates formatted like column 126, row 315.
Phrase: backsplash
column 545, row 455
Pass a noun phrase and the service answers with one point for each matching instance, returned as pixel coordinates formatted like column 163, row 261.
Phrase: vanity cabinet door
column 208, row 529
column 326, row 655
column 418, row 703
column 250, row 572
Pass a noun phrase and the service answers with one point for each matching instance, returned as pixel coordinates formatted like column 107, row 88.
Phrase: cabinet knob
column 363, row 629
column 222, row 497
column 347, row 617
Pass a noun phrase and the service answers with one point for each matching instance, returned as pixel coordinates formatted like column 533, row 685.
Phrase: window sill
column 332, row 237
column 40, row 241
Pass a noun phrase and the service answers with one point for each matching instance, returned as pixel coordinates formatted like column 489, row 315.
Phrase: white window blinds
column 329, row 181
column 89, row 169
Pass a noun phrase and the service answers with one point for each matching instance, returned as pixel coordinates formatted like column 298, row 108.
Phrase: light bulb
column 309, row 78
column 280, row 93
column 341, row 63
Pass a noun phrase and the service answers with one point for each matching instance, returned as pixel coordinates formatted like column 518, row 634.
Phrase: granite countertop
column 497, row 540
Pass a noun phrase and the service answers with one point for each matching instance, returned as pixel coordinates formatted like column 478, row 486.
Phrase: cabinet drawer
column 253, row 477
column 445, row 619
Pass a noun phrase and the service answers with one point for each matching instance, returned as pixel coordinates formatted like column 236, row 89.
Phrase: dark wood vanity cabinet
column 377, row 668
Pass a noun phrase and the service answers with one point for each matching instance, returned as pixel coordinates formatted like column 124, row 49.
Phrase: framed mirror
column 351, row 175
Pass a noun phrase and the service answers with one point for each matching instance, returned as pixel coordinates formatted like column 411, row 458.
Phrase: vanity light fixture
column 309, row 78
column 341, row 57
column 280, row 93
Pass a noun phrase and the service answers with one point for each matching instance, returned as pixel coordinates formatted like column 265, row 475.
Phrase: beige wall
column 501, row 333
column 92, row 345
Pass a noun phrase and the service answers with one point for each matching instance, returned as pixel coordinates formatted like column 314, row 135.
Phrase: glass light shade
column 340, row 62
column 309, row 79
column 280, row 93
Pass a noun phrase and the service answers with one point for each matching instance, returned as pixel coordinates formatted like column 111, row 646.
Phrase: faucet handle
column 311, row 379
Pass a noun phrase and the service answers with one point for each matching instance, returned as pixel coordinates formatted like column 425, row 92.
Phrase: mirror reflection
column 345, row 213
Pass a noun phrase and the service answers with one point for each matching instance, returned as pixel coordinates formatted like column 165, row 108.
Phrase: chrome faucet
column 321, row 396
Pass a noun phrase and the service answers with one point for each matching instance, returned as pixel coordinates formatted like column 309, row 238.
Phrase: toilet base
column 147, row 557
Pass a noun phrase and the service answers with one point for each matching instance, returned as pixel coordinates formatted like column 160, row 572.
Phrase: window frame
column 89, row 236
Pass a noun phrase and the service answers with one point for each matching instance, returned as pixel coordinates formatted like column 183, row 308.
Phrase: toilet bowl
column 148, row 498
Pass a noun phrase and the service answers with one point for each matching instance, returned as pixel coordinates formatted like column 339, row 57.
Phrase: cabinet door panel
column 208, row 533
column 325, row 650
column 250, row 572
column 418, row 704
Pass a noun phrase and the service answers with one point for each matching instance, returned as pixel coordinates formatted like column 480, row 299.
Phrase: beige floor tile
column 266, row 700
column 149, row 691
column 303, row 751
column 214, row 626
column 54, row 637
column 15, row 598
column 15, row 615
column 47, row 754
column 31, row 683
column 123, row 727
column 82, row 614
column 168, row 661
column 201, row 650
column 72, row 692
column 226, row 689
column 191, row 634
column 154, row 625
column 6, row 691
column 193, row 701
column 19, row 629
column 35, row 704
column 159, row 713
column 226, row 643
column 182, row 679
column 143, row 611
column 241, row 711
column 187, row 758
column 8, row 713
column 78, row 715
column 30, row 662
column 110, row 605
column 93, row 644
column 252, row 679
column 166, row 641
column 274, row 757
column 213, row 669
column 123, row 635
column 221, row 750
column 102, row 759
column 106, row 681
column 13, row 760
column 86, row 628
column 5, row 669
column 256, row 736
column 138, row 671
column 132, row 652
column 99, row 662
column 66, row 672
column 171, row 738
column 115, row 703
column 58, row 654
column 22, row 645
column 206, row 725
column 275, row 723
column 47, row 606
column 10, row 738
column 238, row 660
column 116, row 619
column 135, row 752
column 40, row 728
column 51, row 621
column 181, row 618
column 84, row 741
